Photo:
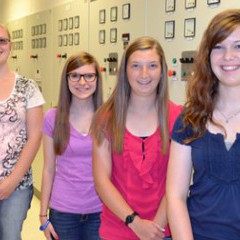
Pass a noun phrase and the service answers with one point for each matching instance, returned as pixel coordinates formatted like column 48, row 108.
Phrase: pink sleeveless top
column 139, row 174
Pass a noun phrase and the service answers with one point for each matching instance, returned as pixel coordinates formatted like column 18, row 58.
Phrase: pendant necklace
column 230, row 117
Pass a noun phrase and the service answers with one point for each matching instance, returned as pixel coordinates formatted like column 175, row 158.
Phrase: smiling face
column 144, row 71
column 83, row 89
column 5, row 46
column 225, row 59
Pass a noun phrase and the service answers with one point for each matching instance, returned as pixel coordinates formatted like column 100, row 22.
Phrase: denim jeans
column 13, row 212
column 70, row 226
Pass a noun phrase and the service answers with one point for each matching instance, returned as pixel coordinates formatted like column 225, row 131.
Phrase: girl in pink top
column 131, row 144
column 67, row 182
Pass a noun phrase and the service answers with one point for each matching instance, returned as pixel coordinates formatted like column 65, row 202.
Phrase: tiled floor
column 31, row 225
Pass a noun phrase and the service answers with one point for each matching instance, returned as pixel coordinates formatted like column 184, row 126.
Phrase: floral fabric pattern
column 13, row 132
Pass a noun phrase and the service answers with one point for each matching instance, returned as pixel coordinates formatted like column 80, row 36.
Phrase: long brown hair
column 202, row 89
column 61, row 128
column 110, row 119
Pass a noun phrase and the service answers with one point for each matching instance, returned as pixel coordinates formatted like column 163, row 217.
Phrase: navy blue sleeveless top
column 214, row 197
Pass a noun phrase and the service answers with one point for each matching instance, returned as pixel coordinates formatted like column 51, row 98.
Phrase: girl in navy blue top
column 206, row 137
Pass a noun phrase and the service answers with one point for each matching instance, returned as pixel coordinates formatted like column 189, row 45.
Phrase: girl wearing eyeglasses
column 20, row 134
column 67, row 181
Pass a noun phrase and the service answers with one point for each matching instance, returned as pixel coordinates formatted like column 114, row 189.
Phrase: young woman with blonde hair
column 131, row 141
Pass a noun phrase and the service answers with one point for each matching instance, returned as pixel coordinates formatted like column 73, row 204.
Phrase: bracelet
column 43, row 227
column 42, row 215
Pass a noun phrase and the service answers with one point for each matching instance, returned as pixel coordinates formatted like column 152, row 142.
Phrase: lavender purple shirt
column 73, row 188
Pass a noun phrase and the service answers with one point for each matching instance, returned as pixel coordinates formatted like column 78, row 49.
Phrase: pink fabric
column 140, row 181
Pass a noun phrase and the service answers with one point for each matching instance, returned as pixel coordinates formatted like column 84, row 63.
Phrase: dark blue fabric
column 70, row 226
column 214, row 198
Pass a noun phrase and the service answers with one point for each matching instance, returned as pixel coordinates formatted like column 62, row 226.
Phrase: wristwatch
column 130, row 218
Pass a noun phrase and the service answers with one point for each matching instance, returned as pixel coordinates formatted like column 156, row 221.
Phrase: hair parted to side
column 110, row 119
column 61, row 128
column 202, row 89
column 6, row 29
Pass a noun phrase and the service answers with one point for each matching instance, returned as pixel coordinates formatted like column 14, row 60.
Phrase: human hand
column 49, row 231
column 7, row 187
column 146, row 229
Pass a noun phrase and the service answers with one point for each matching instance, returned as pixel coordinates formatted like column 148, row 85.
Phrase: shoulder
column 181, row 132
column 174, row 109
column 174, row 112
column 50, row 114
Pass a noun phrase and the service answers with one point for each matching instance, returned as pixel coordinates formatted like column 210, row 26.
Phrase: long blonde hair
column 110, row 120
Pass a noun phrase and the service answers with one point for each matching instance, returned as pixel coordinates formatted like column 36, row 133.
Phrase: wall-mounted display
column 36, row 30
column 189, row 27
column 44, row 28
column 70, row 39
column 113, row 14
column 76, row 21
column 60, row 25
column 210, row 2
column 65, row 40
column 20, row 33
column 33, row 43
column 113, row 35
column 40, row 43
column 101, row 36
column 65, row 24
column 76, row 38
column 102, row 16
column 60, row 40
column 70, row 23
column 44, row 42
column 189, row 4
column 170, row 5
column 169, row 29
column 40, row 29
column 126, row 11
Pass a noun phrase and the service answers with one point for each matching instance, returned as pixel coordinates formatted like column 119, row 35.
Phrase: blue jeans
column 13, row 212
column 70, row 226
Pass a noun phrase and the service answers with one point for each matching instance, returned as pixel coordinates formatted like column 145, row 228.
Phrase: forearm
column 25, row 160
column 161, row 215
column 179, row 220
column 46, row 189
column 113, row 199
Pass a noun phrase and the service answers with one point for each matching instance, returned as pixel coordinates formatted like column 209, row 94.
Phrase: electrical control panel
column 187, row 60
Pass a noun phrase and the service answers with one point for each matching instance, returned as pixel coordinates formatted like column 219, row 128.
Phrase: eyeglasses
column 88, row 77
column 4, row 41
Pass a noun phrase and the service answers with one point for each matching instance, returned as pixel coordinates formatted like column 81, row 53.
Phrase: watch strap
column 129, row 219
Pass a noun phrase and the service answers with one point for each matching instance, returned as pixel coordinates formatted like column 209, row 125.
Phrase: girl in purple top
column 67, row 182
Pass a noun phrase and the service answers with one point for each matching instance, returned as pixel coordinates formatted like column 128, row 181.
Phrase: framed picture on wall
column 76, row 39
column 169, row 32
column 170, row 6
column 76, row 21
column 126, row 11
column 70, row 39
column 189, row 27
column 190, row 4
column 60, row 25
column 44, row 28
column 102, row 16
column 210, row 2
column 113, row 35
column 70, row 23
column 113, row 14
column 101, row 37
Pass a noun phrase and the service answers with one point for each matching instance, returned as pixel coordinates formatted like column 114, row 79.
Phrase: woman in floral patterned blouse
column 20, row 134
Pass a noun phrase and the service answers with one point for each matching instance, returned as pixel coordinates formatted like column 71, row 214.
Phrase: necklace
column 229, row 117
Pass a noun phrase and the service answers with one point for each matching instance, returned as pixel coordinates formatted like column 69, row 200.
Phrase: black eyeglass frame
column 82, row 75
column 4, row 41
